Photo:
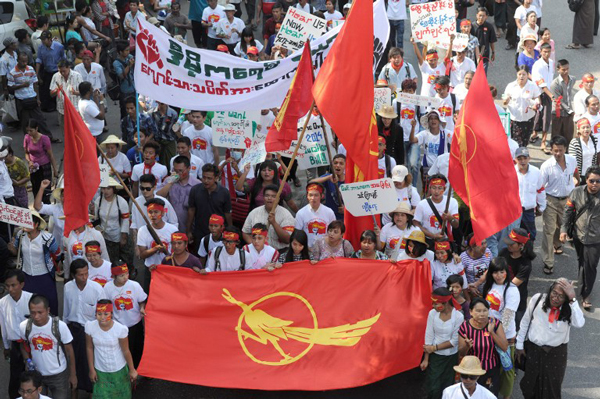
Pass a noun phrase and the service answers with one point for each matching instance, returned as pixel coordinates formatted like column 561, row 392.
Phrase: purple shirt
column 179, row 195
column 190, row 262
column 286, row 193
column 37, row 151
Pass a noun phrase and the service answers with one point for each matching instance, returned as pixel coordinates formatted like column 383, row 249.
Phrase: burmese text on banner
column 193, row 78
column 302, row 327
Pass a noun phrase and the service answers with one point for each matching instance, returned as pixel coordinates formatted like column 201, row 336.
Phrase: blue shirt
column 524, row 60
column 135, row 157
column 127, row 84
column 129, row 127
column 49, row 57
column 196, row 9
column 73, row 34
column 331, row 197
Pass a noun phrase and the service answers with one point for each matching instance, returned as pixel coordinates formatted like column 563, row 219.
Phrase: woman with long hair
column 503, row 297
column 248, row 41
column 298, row 248
column 265, row 175
column 40, row 158
column 441, row 342
column 543, row 339
column 333, row 244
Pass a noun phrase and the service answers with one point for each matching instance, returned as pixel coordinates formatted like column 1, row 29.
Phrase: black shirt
column 521, row 269
column 486, row 34
column 217, row 202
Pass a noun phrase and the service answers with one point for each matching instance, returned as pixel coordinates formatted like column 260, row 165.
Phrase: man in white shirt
column 531, row 191
column 69, row 81
column 148, row 187
column 14, row 308
column 92, row 111
column 30, row 383
column 314, row 217
column 211, row 15
column 592, row 114
column 449, row 104
column 50, row 343
column 227, row 257
column 470, row 370
column 430, row 68
column 397, row 70
column 558, row 174
column 229, row 29
column 461, row 64
column 150, row 151
column 587, row 89
column 542, row 73
column 184, row 147
column 80, row 298
column 201, row 137
column 91, row 72
column 396, row 13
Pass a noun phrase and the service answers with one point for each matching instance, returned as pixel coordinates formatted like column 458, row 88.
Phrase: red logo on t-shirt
column 407, row 114
column 431, row 78
column 214, row 18
column 77, row 249
column 596, row 128
column 317, row 227
column 100, row 280
column 494, row 301
column 381, row 173
column 199, row 144
column 445, row 110
column 123, row 303
column 164, row 243
column 394, row 242
column 433, row 222
column 42, row 343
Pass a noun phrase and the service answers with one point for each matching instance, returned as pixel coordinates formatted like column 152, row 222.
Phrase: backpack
column 55, row 332
column 575, row 5
column 218, row 251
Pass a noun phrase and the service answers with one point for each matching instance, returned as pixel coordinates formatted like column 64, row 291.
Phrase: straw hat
column 387, row 111
column 154, row 21
column 112, row 182
column 60, row 185
column 469, row 365
column 417, row 236
column 43, row 224
column 529, row 37
column 403, row 207
column 112, row 139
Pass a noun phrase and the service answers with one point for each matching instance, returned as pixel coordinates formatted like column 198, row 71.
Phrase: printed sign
column 16, row 215
column 185, row 76
column 313, row 151
column 233, row 129
column 460, row 42
column 383, row 96
column 297, row 27
column 415, row 99
column 369, row 197
column 257, row 152
column 432, row 21
column 104, row 174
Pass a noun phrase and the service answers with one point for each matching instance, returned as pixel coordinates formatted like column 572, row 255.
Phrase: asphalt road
column 581, row 380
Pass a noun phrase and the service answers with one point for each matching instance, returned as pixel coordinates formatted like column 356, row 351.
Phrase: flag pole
column 447, row 205
column 289, row 167
column 139, row 208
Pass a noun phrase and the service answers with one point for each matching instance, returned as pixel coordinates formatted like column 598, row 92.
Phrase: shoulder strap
column 28, row 327
column 56, row 333
column 206, row 242
column 242, row 259
column 388, row 165
column 407, row 69
column 453, row 98
column 217, row 256
column 436, row 213
column 532, row 314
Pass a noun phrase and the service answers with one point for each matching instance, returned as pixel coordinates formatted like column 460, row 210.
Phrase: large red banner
column 338, row 324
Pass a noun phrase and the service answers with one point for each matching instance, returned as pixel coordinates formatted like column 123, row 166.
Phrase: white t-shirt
column 396, row 10
column 431, row 143
column 159, row 171
column 459, row 70
column 108, row 356
column 12, row 313
column 126, row 301
column 137, row 221
column 424, row 214
column 521, row 14
column 80, row 305
column 446, row 110
column 238, row 48
column 393, row 238
column 88, row 110
column 407, row 113
column 212, row 244
column 460, row 91
column 43, row 345
column 120, row 162
column 144, row 239
column 428, row 76
column 226, row 27
column 196, row 165
column 578, row 103
column 74, row 245
column 314, row 223
column 403, row 196
column 201, row 143
column 213, row 15
column 257, row 260
column 228, row 263
column 427, row 256
column 101, row 274
column 113, row 225
column 594, row 123
column 495, row 298
column 522, row 100
column 441, row 271
column 381, row 169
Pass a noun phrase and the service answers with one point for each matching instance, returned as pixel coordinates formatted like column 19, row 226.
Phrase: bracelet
column 436, row 348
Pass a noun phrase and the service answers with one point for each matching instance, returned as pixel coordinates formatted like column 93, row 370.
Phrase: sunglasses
column 469, row 377
column 593, row 181
column 146, row 188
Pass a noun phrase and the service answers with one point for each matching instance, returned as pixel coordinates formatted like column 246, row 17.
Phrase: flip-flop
column 558, row 251
column 587, row 305
column 533, row 140
column 547, row 270
column 573, row 46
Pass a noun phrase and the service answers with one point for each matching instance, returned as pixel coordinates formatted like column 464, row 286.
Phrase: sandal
column 547, row 151
column 573, row 46
column 533, row 139
column 558, row 251
column 587, row 305
column 547, row 270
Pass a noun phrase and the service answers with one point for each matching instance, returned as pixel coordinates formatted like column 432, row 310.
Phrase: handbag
column 240, row 207
column 575, row 5
column 9, row 110
column 521, row 361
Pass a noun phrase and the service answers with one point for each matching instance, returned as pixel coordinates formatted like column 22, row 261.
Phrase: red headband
column 518, row 238
column 156, row 207
column 432, row 56
column 230, row 236
column 216, row 219
column 582, row 121
column 586, row 79
column 381, row 139
column 442, row 245
column 179, row 237
column 314, row 187
column 465, row 22
column 92, row 249
column 445, row 298
column 259, row 231
column 437, row 182
column 104, row 307
column 119, row 270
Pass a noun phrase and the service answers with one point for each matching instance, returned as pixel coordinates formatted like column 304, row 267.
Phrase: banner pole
column 137, row 119
column 139, row 208
column 447, row 205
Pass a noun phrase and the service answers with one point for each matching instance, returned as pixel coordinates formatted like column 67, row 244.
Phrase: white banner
column 297, row 27
column 415, row 99
column 190, row 78
column 233, row 129
column 16, row 215
column 432, row 21
column 313, row 151
column 369, row 197
column 461, row 41
column 383, row 96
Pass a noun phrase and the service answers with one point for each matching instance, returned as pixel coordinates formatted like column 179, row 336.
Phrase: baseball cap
column 252, row 50
column 223, row 48
column 399, row 173
column 522, row 152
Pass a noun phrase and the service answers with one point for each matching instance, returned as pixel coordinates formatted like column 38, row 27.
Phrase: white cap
column 399, row 173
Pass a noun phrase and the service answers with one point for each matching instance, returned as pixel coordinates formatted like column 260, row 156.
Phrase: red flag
column 290, row 329
column 296, row 104
column 481, row 168
column 82, row 172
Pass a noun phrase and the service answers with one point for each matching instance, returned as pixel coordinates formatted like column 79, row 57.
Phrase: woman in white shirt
column 523, row 98
column 543, row 339
column 584, row 147
column 109, row 359
column 391, row 238
column 441, row 342
column 445, row 264
column 416, row 248
column 112, row 147
column 405, row 191
column 111, row 212
column 504, row 298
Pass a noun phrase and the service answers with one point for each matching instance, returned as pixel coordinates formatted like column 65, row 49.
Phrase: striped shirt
column 483, row 343
column 475, row 268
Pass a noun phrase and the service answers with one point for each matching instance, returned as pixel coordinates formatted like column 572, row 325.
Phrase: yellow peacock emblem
column 267, row 329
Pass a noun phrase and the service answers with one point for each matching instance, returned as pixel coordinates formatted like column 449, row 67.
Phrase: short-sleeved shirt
column 133, row 19
column 283, row 217
column 393, row 238
column 38, row 151
column 441, row 271
column 500, row 301
column 108, row 356
column 49, row 57
column 126, row 301
column 145, row 240
column 127, row 85
column 101, row 274
column 425, row 215
column 213, row 15
column 17, row 77
column 170, row 22
column 18, row 170
column 71, row 83
column 432, row 143
column 483, row 343
column 159, row 171
column 428, row 76
column 525, row 60
column 43, row 345
column 207, row 203
column 259, row 199
column 89, row 110
column 314, row 223
column 475, row 268
column 201, row 143
column 119, row 162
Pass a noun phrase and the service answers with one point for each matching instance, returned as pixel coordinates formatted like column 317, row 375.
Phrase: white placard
column 16, row 215
column 461, row 41
column 313, row 151
column 371, row 197
column 505, row 119
column 415, row 99
column 297, row 27
column 432, row 21
column 104, row 174
column 233, row 129
column 383, row 96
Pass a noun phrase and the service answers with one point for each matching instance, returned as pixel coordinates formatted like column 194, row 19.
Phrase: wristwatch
column 573, row 300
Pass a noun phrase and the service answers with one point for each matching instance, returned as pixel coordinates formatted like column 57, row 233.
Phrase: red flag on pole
column 296, row 104
column 82, row 171
column 481, row 168
column 348, row 107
